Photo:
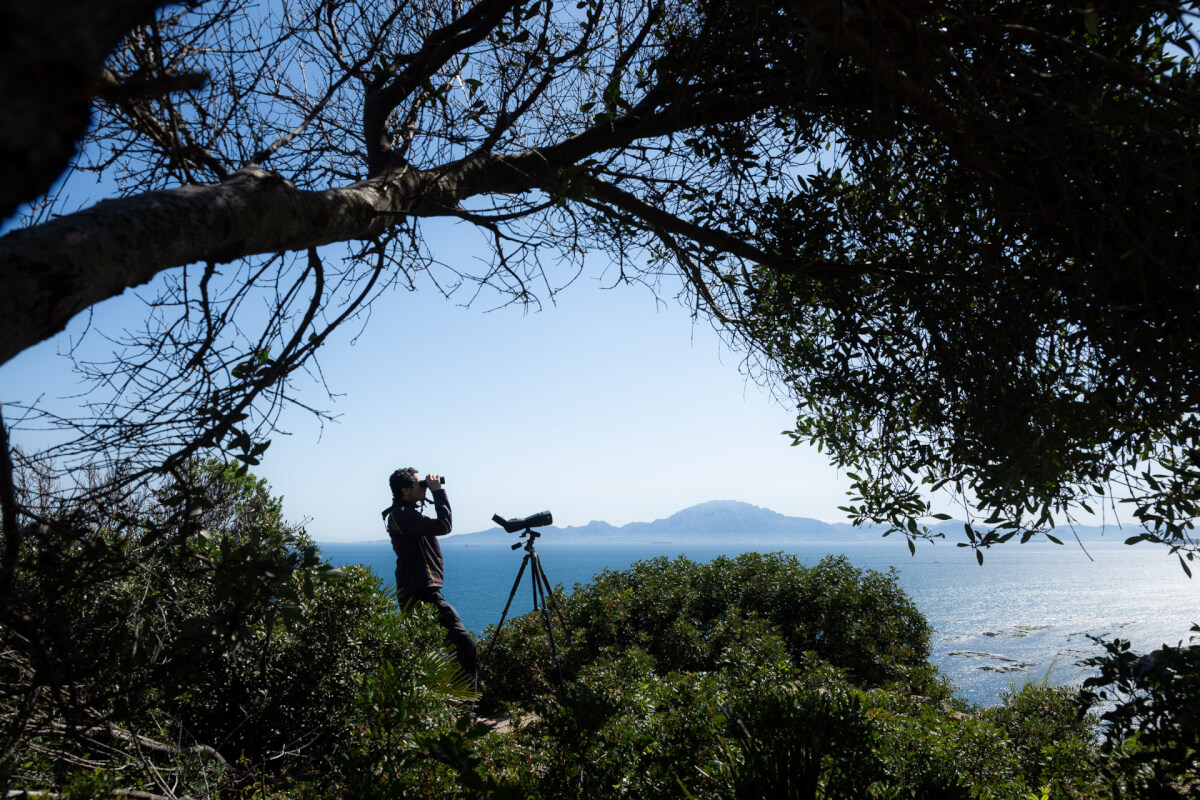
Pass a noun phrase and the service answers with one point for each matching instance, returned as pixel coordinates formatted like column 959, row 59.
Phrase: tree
column 959, row 232
column 1035, row 350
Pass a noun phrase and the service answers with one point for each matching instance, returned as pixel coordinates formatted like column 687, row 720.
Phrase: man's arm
column 441, row 505
column 441, row 502
column 410, row 522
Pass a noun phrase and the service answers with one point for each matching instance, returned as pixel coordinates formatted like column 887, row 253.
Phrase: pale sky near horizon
column 610, row 405
column 601, row 407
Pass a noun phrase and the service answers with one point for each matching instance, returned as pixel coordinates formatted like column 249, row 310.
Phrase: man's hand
column 434, row 482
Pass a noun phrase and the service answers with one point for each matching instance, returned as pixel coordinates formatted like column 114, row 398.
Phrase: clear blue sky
column 602, row 407
column 609, row 405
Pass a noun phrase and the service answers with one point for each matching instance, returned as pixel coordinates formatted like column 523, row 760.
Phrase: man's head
column 406, row 484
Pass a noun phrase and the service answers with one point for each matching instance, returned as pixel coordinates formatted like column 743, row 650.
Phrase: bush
column 735, row 678
column 1054, row 744
column 192, row 632
column 805, row 740
column 622, row 729
column 1151, row 717
column 686, row 615
column 759, row 677
column 284, row 686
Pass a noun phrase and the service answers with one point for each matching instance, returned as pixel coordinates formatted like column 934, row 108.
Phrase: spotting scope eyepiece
column 532, row 521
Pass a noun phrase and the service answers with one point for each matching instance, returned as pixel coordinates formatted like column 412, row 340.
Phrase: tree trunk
column 51, row 56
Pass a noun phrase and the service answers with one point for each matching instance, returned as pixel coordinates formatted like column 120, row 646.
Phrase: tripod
column 542, row 598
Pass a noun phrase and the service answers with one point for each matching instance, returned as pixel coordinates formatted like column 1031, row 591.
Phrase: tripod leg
column 511, row 595
column 539, row 585
column 533, row 574
column 537, row 565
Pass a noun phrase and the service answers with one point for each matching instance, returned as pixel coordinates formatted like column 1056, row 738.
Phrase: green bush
column 284, row 686
column 685, row 616
column 938, row 754
column 1034, row 742
column 1054, row 744
column 191, row 632
column 1151, row 716
column 622, row 730
column 406, row 741
column 734, row 678
column 813, row 738
column 762, row 726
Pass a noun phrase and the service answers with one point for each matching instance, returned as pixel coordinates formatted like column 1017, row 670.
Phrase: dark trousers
column 456, row 633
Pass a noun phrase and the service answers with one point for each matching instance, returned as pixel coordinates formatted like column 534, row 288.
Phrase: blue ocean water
column 1027, row 611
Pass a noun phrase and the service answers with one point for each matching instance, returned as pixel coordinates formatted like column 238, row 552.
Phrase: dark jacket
column 414, row 540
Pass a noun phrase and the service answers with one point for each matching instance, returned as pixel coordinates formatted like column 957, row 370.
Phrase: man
column 419, row 556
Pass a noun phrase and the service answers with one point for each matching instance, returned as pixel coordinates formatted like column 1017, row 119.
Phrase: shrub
column 685, row 616
column 406, row 740
column 285, row 685
column 1151, row 717
column 1054, row 744
column 622, row 730
column 936, row 754
column 804, row 740
column 194, row 633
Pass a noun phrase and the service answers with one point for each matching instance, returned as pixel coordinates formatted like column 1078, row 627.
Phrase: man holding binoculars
column 419, row 566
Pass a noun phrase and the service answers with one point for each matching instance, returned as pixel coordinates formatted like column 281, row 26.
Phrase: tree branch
column 438, row 47
column 656, row 219
column 66, row 265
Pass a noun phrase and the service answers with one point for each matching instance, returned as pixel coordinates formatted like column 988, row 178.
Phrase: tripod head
column 528, row 523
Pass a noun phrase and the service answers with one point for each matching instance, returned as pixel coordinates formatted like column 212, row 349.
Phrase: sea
column 1028, row 613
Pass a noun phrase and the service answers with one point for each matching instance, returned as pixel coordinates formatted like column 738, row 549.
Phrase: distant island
column 718, row 519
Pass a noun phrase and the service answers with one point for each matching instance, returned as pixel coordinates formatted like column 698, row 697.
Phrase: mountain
column 719, row 519
column 716, row 518
column 728, row 516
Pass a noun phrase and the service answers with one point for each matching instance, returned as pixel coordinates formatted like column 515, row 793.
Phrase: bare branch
column 8, row 514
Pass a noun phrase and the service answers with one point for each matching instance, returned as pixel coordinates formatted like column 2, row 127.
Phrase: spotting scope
column 532, row 521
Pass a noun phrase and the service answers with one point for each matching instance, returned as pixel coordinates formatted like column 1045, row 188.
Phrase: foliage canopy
column 959, row 233
column 1033, row 349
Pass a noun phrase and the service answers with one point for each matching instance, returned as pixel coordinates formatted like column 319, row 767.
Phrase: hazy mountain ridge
column 706, row 520
column 718, row 518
